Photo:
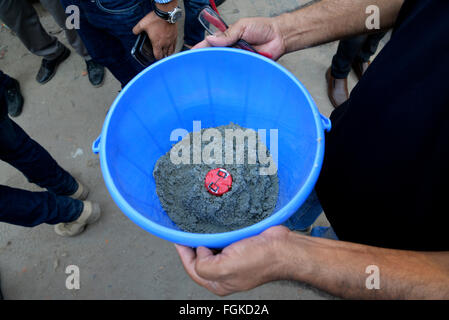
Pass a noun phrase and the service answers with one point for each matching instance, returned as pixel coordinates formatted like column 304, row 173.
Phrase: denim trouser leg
column 324, row 232
column 106, row 31
column 26, row 155
column 193, row 30
column 349, row 50
column 4, row 81
column 27, row 208
column 306, row 214
column 370, row 46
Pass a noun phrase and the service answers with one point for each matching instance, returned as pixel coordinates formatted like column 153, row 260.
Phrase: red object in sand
column 218, row 181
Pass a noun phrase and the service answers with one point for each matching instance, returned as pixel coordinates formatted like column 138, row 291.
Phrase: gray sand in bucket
column 180, row 180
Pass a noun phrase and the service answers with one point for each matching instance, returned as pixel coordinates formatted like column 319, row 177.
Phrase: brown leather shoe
column 360, row 68
column 337, row 89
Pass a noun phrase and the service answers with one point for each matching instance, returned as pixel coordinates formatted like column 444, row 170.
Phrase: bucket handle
column 327, row 125
column 96, row 145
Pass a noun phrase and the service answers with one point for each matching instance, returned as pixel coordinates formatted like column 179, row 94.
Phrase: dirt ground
column 116, row 258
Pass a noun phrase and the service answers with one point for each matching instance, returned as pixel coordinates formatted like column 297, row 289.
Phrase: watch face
column 176, row 15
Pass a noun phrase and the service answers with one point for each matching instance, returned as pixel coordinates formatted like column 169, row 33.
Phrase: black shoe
column 14, row 98
column 95, row 72
column 48, row 67
column 219, row 2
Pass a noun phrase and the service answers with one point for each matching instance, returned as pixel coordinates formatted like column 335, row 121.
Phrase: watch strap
column 161, row 14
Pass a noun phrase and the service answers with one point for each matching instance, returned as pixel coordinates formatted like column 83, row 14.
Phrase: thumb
column 207, row 264
column 204, row 253
column 225, row 39
column 137, row 28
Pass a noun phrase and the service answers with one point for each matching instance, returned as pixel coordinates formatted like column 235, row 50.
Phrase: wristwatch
column 171, row 16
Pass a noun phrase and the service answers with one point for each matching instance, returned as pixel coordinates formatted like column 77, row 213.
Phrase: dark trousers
column 106, row 30
column 359, row 48
column 27, row 208
column 23, row 19
column 193, row 30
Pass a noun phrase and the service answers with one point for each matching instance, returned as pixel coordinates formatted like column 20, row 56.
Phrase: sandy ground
column 117, row 259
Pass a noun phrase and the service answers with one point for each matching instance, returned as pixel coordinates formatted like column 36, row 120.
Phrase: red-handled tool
column 214, row 6
column 212, row 22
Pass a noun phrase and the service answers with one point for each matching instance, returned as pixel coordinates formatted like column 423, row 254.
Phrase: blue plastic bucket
column 215, row 86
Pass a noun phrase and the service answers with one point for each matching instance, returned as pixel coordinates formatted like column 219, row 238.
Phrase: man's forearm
column 340, row 268
column 330, row 20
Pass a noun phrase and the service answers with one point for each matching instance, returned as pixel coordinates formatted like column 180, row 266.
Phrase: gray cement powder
column 192, row 208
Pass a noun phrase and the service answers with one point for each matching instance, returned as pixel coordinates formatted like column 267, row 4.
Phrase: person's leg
column 306, row 215
column 5, row 80
column 362, row 60
column 120, row 24
column 29, row 209
column 347, row 51
column 26, row 155
column 193, row 30
column 324, row 232
column 56, row 10
column 303, row 219
column 95, row 71
column 370, row 46
column 337, row 74
column 69, row 215
column 22, row 18
column 107, row 34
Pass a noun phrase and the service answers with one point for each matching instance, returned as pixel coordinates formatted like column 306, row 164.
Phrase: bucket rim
column 216, row 240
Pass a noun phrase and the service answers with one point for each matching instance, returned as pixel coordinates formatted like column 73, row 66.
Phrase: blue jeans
column 27, row 208
column 193, row 30
column 106, row 30
column 306, row 214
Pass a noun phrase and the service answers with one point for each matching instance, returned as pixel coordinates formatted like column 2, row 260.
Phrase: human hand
column 264, row 34
column 162, row 34
column 239, row 267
